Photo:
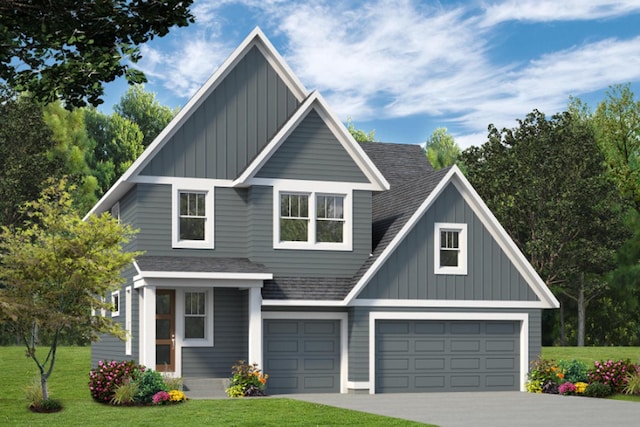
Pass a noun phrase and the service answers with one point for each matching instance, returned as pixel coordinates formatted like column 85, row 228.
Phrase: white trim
column 300, row 184
column 255, row 38
column 461, row 229
column 434, row 303
column 344, row 334
column 205, row 275
column 181, row 341
column 315, row 102
column 523, row 318
column 255, row 327
column 358, row 385
column 128, row 321
column 115, row 211
column 116, row 307
column 147, row 344
column 186, row 183
column 303, row 303
column 209, row 238
column 488, row 220
column 318, row 189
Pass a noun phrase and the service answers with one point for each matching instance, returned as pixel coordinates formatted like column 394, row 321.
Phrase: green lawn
column 591, row 354
column 69, row 385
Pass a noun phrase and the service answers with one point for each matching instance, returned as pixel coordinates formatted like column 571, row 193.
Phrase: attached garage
column 447, row 355
column 302, row 355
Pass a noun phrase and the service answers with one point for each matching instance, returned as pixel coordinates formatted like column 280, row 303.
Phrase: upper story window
column 115, row 302
column 312, row 220
column 192, row 218
column 450, row 248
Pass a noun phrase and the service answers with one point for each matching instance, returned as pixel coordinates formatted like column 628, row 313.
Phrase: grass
column 68, row 383
column 589, row 355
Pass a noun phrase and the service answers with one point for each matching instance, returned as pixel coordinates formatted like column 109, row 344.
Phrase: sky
column 404, row 68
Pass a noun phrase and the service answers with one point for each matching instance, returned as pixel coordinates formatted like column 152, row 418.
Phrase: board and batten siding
column 230, row 337
column 154, row 222
column 306, row 263
column 231, row 126
column 359, row 333
column 313, row 153
column 409, row 272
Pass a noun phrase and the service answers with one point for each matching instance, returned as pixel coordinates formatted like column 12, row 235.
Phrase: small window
column 115, row 302
column 115, row 212
column 294, row 217
column 195, row 315
column 193, row 216
column 450, row 248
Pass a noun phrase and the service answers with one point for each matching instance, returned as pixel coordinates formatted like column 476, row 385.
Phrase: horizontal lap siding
column 409, row 271
column 231, row 126
column 230, row 342
column 306, row 263
column 154, row 219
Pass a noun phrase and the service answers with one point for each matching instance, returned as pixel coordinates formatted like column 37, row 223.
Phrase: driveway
column 494, row 409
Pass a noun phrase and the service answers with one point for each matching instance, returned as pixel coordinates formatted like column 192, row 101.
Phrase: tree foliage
column 143, row 109
column 441, row 149
column 70, row 48
column 545, row 182
column 54, row 270
column 617, row 120
column 360, row 135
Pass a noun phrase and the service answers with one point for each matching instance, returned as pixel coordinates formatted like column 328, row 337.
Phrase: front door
column 165, row 330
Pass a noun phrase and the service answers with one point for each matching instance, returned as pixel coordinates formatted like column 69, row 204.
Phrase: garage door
column 302, row 356
column 425, row 355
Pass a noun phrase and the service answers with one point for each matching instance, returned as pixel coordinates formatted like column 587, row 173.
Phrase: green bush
column 544, row 376
column 247, row 380
column 574, row 371
column 125, row 393
column 149, row 383
column 633, row 383
column 34, row 392
column 598, row 390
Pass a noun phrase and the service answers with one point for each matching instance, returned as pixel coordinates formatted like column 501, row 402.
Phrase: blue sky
column 405, row 68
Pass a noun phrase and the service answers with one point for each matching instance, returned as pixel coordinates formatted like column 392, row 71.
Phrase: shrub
column 48, row 405
column 33, row 393
column 160, row 398
column 176, row 396
column 150, row 383
column 574, row 371
column 173, row 383
column 581, row 387
column 567, row 389
column 125, row 393
column 597, row 389
column 614, row 374
column 247, row 380
column 104, row 380
column 544, row 375
column 632, row 384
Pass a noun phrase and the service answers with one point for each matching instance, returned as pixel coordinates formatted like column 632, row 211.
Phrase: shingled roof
column 199, row 264
column 311, row 288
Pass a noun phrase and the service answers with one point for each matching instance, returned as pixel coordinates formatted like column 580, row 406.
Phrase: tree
column 360, row 135
column 54, row 270
column 545, row 182
column 617, row 121
column 441, row 149
column 25, row 143
column 70, row 48
column 143, row 109
column 115, row 143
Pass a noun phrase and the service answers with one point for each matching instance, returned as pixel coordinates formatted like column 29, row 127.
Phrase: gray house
column 270, row 235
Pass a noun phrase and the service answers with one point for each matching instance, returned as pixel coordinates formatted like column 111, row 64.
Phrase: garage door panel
column 401, row 328
column 481, row 356
column 302, row 356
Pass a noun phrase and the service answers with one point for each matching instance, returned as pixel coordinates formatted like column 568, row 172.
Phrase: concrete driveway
column 494, row 409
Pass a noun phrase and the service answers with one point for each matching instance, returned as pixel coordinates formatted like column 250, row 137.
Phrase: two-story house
column 270, row 235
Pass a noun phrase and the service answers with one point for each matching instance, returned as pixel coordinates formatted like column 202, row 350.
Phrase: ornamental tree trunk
column 582, row 309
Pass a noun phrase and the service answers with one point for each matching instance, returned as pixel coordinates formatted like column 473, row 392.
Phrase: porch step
column 205, row 388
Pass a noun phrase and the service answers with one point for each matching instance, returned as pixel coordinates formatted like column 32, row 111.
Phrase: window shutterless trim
column 195, row 187
column 461, row 229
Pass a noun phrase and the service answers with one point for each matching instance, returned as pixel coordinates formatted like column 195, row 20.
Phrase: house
column 271, row 236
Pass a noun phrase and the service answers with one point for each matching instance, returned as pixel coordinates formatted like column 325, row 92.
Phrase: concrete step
column 205, row 388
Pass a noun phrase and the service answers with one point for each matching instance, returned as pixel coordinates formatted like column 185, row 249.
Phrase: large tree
column 617, row 120
column 544, row 180
column 143, row 109
column 70, row 48
column 441, row 149
column 53, row 271
column 360, row 135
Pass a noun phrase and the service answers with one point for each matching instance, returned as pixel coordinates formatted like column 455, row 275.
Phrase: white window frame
column 207, row 341
column 311, row 244
column 115, row 297
column 195, row 187
column 461, row 229
column 115, row 211
column 128, row 322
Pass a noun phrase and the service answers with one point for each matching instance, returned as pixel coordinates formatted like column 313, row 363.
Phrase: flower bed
column 576, row 378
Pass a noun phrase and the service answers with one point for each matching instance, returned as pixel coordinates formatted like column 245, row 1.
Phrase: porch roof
column 200, row 267
column 306, row 288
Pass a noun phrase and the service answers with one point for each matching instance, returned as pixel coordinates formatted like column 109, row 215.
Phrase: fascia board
column 496, row 230
column 255, row 38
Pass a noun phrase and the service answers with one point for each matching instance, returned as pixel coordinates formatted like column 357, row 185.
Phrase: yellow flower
column 176, row 396
column 580, row 387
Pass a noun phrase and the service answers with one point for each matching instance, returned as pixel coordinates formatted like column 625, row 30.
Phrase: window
column 308, row 220
column 115, row 211
column 193, row 218
column 195, row 315
column 115, row 301
column 450, row 248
